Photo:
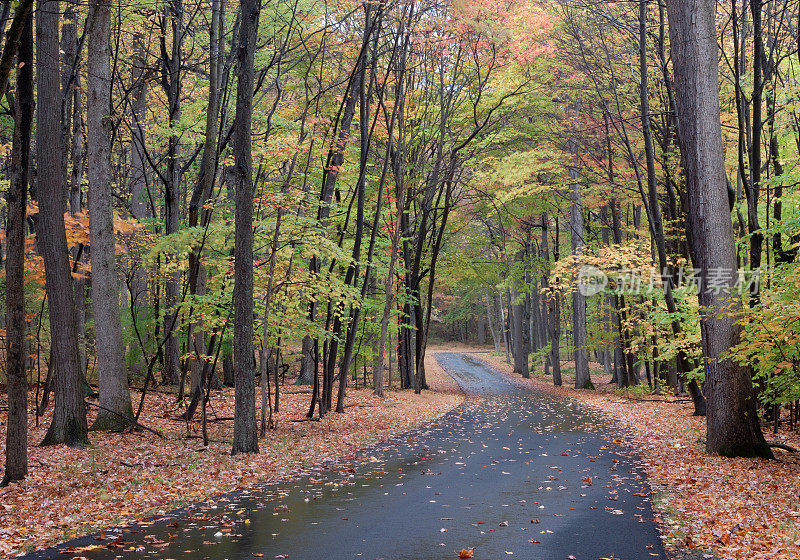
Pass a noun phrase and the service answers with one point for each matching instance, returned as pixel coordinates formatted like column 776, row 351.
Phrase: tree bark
column 552, row 300
column 245, row 432
column 74, row 153
column 17, row 198
column 582, row 378
column 140, row 201
column 732, row 420
column 377, row 371
column 351, row 276
column 172, row 69
column 196, row 338
column 115, row 397
column 753, row 192
column 519, row 330
column 654, row 213
column 15, row 32
column 266, row 351
column 504, row 326
column 69, row 414
column 490, row 320
column 307, row 362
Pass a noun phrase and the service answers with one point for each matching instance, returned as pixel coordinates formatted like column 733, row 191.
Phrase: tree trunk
column 333, row 163
column 377, row 372
column 70, row 76
column 266, row 422
column 519, row 330
column 753, row 193
column 196, row 338
column 141, row 205
column 227, row 371
column 69, row 415
column 17, row 422
column 12, row 37
column 172, row 191
column 72, row 113
column 654, row 213
column 115, row 397
column 553, row 307
column 435, row 249
column 307, row 363
column 732, row 421
column 351, row 276
column 245, row 433
column 536, row 316
column 490, row 320
column 140, row 201
column 582, row 378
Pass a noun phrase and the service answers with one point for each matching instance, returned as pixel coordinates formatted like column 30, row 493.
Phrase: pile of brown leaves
column 127, row 476
column 732, row 509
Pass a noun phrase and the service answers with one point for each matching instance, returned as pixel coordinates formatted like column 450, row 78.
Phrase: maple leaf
column 466, row 553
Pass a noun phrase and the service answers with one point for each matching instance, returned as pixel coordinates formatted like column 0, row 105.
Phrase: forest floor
column 122, row 477
column 712, row 507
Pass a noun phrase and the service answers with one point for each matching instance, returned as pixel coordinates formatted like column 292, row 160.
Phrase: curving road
column 510, row 473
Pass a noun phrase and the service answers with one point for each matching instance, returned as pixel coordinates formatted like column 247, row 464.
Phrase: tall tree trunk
column 519, row 329
column 608, row 321
column 12, row 37
column 777, row 165
column 140, row 204
column 535, row 315
column 17, row 198
column 364, row 95
column 443, row 213
column 753, row 193
column 582, row 378
column 623, row 361
column 732, row 421
column 377, row 372
column 553, row 302
column 172, row 188
column 307, row 363
column 245, row 432
column 70, row 76
column 72, row 113
column 202, row 192
column 333, row 163
column 504, row 326
column 140, row 201
column 619, row 374
column 490, row 320
column 69, row 415
column 115, row 398
column 266, row 421
column 654, row 213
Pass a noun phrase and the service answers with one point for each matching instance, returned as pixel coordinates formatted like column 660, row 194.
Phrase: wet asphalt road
column 510, row 473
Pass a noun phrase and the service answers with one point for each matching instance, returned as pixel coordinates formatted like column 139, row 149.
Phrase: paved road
column 510, row 473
